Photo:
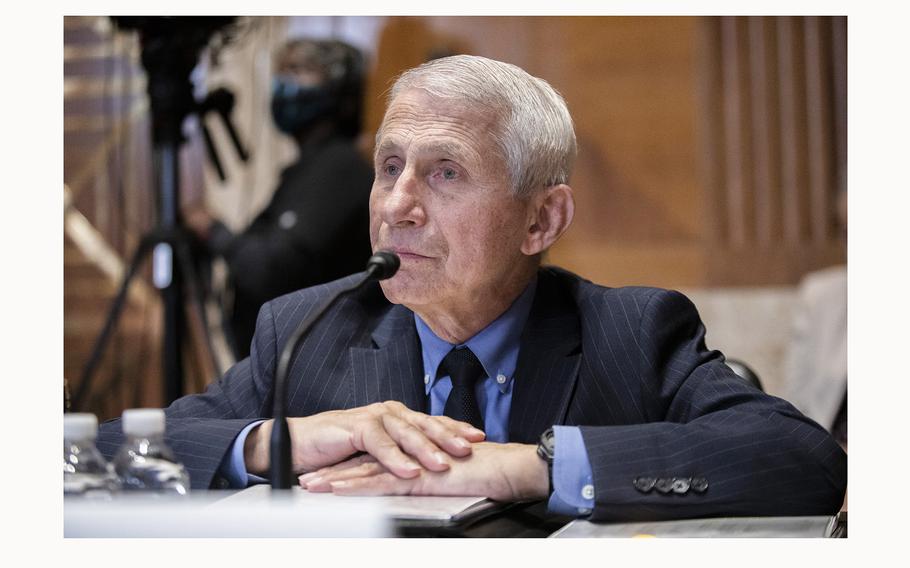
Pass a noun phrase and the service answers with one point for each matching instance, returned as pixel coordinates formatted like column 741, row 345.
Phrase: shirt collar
column 496, row 346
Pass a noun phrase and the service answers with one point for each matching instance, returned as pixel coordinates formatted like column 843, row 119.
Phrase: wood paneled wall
column 773, row 113
column 710, row 149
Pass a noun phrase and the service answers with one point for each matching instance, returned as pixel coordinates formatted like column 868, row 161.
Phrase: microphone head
column 384, row 264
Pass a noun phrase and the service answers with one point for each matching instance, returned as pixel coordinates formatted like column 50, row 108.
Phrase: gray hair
column 535, row 134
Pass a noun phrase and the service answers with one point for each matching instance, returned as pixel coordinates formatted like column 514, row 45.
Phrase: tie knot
column 462, row 366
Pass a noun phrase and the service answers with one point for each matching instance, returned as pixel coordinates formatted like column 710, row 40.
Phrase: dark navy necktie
column 465, row 370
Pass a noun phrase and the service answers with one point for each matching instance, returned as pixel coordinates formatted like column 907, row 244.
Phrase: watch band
column 546, row 449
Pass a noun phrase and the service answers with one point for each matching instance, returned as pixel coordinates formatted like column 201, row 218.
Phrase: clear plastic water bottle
column 85, row 472
column 144, row 462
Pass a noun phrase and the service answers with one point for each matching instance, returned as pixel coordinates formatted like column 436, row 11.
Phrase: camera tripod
column 170, row 49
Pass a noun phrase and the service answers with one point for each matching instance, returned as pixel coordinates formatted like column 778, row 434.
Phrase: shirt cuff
column 573, row 480
column 233, row 467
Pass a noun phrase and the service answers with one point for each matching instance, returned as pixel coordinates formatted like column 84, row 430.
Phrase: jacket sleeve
column 201, row 427
column 712, row 445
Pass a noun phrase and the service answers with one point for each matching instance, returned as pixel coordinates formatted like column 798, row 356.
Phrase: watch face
column 546, row 449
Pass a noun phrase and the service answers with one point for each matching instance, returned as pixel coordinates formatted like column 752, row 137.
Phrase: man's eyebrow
column 385, row 147
column 444, row 148
column 439, row 147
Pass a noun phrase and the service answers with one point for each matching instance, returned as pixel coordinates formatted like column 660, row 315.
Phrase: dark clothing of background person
column 314, row 230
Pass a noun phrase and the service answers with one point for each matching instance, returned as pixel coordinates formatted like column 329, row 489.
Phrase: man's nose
column 401, row 205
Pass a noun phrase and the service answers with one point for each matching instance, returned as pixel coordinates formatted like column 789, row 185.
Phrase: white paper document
column 401, row 508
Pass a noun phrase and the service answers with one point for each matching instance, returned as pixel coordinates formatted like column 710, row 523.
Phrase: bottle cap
column 79, row 426
column 143, row 421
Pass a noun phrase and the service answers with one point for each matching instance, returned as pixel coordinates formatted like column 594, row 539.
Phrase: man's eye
column 449, row 173
column 391, row 170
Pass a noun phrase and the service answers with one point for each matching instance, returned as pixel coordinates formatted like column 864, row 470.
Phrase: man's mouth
column 407, row 254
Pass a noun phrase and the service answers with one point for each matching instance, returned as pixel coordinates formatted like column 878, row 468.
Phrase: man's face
column 441, row 200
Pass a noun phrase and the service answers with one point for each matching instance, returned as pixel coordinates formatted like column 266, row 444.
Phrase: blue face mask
column 296, row 107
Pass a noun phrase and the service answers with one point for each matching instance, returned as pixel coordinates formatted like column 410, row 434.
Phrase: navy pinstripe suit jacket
column 628, row 365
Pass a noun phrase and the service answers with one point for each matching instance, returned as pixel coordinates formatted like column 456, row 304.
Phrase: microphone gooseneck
column 380, row 266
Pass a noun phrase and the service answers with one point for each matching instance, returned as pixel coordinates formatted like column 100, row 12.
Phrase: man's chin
column 389, row 291
column 398, row 290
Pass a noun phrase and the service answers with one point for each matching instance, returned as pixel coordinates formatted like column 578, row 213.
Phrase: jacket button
column 644, row 484
column 664, row 484
column 680, row 485
column 699, row 484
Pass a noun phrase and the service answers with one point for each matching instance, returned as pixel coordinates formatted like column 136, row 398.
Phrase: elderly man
column 475, row 371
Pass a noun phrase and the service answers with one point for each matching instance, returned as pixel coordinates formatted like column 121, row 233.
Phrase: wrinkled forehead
column 416, row 105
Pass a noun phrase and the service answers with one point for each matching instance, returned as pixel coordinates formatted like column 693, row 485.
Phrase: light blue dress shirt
column 496, row 346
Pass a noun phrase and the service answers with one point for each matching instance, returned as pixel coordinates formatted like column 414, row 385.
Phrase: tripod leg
column 171, row 288
column 168, row 278
column 112, row 316
column 197, row 299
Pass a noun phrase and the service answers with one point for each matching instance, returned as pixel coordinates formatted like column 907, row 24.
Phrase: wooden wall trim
column 820, row 150
column 775, row 146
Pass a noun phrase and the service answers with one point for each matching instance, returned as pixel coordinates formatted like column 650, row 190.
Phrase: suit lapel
column 548, row 363
column 545, row 376
column 392, row 368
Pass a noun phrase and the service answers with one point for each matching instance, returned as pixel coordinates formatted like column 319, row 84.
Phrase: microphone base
column 280, row 453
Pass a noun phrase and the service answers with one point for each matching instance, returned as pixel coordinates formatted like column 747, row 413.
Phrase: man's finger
column 349, row 463
column 453, row 437
column 463, row 429
column 372, row 438
column 414, row 442
column 380, row 484
column 321, row 483
column 442, row 426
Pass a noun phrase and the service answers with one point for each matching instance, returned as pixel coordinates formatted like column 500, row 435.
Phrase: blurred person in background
column 315, row 228
column 816, row 364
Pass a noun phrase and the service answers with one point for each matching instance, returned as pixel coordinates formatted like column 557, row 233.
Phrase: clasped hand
column 503, row 472
column 401, row 439
column 388, row 449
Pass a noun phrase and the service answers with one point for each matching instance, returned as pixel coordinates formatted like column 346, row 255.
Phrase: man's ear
column 550, row 212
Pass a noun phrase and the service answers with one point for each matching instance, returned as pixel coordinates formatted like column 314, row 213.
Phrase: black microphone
column 380, row 266
column 383, row 265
